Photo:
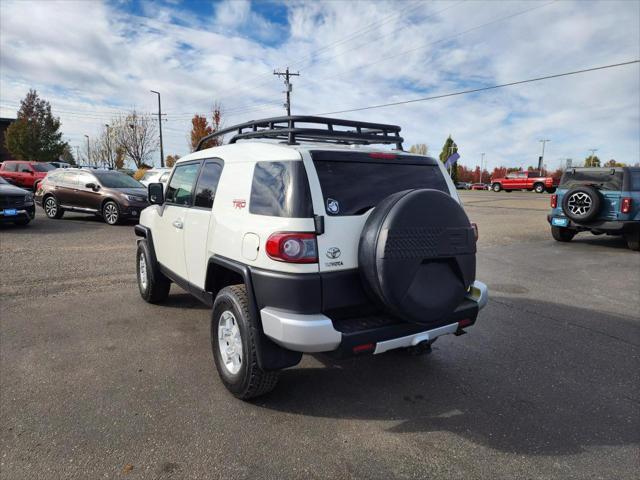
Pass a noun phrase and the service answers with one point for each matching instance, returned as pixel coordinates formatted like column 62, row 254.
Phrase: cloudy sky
column 93, row 60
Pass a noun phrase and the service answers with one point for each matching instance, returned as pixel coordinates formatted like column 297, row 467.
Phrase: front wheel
column 633, row 240
column 153, row 285
column 539, row 188
column 497, row 187
column 562, row 234
column 111, row 213
column 233, row 341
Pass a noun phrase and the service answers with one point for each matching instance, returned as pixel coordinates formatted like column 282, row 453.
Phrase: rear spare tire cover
column 582, row 203
column 417, row 255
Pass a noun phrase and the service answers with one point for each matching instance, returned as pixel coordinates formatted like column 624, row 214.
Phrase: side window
column 24, row 167
column 10, row 167
column 280, row 189
column 83, row 178
column 522, row 175
column 69, row 179
column 180, row 189
column 207, row 184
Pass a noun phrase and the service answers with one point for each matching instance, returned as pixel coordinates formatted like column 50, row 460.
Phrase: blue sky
column 95, row 60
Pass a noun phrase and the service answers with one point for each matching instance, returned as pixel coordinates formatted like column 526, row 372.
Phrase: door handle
column 177, row 223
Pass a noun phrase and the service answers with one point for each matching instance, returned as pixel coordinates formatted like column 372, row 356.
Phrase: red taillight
column 625, row 206
column 382, row 155
column 554, row 200
column 476, row 234
column 293, row 247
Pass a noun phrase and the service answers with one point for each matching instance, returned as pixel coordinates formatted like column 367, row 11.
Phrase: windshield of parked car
column 116, row 180
column 354, row 187
column 42, row 167
column 602, row 179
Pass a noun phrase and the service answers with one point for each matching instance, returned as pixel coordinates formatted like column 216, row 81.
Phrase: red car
column 23, row 173
column 479, row 186
column 524, row 181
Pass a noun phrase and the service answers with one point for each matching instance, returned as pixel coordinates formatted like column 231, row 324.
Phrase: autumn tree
column 171, row 160
column 448, row 149
column 592, row 161
column 35, row 135
column 200, row 127
column 419, row 149
column 120, row 157
column 137, row 135
column 106, row 147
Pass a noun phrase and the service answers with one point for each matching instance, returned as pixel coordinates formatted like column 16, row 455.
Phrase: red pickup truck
column 524, row 181
column 23, row 173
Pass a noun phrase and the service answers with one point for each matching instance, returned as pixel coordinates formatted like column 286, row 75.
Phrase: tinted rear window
column 280, row 189
column 634, row 180
column 352, row 188
column 605, row 180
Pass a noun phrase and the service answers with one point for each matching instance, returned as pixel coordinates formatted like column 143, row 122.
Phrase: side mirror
column 93, row 186
column 156, row 193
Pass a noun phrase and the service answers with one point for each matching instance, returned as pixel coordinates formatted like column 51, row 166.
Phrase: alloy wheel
column 111, row 213
column 51, row 207
column 579, row 204
column 230, row 342
column 142, row 267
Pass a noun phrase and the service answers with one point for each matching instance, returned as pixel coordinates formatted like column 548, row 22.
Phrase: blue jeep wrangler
column 598, row 200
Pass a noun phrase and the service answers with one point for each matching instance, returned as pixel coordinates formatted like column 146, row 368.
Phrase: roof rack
column 285, row 128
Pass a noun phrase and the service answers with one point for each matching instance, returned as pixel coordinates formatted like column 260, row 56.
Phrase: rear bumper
column 314, row 333
column 615, row 226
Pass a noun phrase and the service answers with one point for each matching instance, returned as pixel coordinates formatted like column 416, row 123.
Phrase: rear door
column 168, row 236
column 199, row 223
column 84, row 197
column 347, row 186
column 65, row 188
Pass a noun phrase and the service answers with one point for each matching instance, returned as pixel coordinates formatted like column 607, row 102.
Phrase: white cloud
column 90, row 59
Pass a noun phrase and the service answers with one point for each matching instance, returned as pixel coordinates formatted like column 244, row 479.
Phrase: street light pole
column 77, row 154
column 108, row 144
column 160, row 127
column 544, row 142
column 88, row 151
column 481, row 164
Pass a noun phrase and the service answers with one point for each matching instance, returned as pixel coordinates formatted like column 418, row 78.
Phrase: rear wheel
column 233, row 341
column 497, row 187
column 562, row 234
column 538, row 188
column 51, row 207
column 633, row 240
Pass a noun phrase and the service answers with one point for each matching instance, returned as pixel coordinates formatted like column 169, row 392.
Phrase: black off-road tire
column 588, row 193
column 52, row 208
column 633, row 240
column 496, row 187
column 250, row 381
column 561, row 234
column 538, row 188
column 157, row 286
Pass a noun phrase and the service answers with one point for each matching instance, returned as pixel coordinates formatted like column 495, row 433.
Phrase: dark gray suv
column 112, row 195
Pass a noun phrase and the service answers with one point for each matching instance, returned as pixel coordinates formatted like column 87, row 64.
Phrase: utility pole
column 77, row 154
column 541, row 159
column 481, row 168
column 160, row 127
column 288, row 87
column 108, row 145
column 88, row 151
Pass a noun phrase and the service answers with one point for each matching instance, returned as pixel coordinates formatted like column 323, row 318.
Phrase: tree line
column 132, row 138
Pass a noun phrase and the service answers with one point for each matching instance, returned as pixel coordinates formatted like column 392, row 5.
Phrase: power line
column 482, row 89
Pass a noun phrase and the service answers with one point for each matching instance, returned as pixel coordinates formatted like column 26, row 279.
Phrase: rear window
column 280, row 189
column 353, row 188
column 604, row 180
column 634, row 180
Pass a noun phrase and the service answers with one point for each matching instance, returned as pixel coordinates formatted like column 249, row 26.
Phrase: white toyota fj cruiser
column 310, row 240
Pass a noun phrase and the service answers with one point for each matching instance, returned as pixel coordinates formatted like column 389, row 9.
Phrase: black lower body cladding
column 417, row 255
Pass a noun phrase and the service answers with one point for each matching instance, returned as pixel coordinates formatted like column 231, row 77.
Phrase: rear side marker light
column 464, row 323
column 625, row 205
column 367, row 347
column 554, row 200
column 476, row 234
column 292, row 247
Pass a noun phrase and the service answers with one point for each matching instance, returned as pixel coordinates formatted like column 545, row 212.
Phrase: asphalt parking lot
column 95, row 383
